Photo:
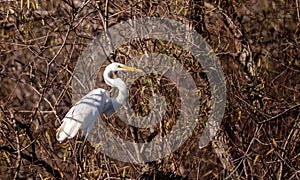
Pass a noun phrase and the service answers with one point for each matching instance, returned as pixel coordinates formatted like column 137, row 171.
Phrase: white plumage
column 84, row 113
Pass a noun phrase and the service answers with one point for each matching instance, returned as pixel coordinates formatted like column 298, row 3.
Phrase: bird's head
column 113, row 67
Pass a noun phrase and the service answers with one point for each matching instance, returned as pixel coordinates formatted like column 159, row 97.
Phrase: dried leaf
column 274, row 142
column 270, row 151
column 256, row 158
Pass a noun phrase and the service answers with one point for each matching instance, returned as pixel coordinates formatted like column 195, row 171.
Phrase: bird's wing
column 83, row 114
column 108, row 107
column 69, row 127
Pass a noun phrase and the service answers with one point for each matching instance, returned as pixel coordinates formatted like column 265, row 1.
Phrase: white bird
column 86, row 111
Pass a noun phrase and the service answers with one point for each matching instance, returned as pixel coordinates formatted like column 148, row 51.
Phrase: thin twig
column 278, row 115
column 298, row 13
column 35, row 161
column 19, row 159
column 245, row 154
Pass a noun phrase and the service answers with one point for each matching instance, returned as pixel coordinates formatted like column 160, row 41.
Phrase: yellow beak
column 131, row 69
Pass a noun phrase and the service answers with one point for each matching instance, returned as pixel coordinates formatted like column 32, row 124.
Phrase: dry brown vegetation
column 257, row 43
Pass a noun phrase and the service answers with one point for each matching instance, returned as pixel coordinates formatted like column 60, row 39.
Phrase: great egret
column 85, row 112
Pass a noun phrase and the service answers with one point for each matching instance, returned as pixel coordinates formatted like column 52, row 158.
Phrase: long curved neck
column 118, row 83
column 123, row 93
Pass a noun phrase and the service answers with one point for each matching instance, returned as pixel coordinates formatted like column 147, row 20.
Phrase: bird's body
column 84, row 113
column 78, row 116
